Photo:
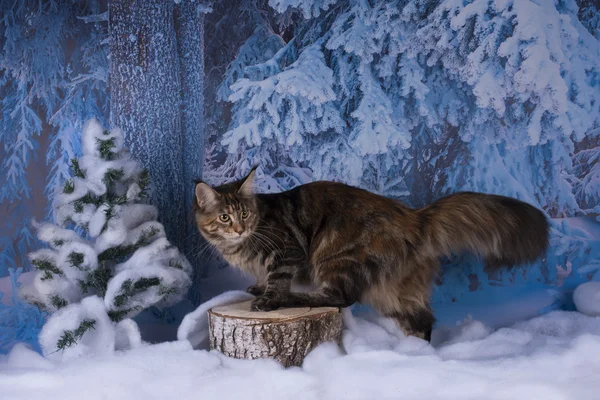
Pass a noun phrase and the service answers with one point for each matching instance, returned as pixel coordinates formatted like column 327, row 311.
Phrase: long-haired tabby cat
column 356, row 246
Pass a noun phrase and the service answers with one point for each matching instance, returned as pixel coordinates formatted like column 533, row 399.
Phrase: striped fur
column 356, row 246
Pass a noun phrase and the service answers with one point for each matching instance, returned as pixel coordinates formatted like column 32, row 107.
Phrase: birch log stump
column 286, row 335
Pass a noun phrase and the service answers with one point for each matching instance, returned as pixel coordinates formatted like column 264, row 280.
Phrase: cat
column 357, row 246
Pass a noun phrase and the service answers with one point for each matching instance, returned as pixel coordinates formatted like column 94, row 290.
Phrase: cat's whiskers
column 267, row 242
column 254, row 246
column 262, row 244
column 271, row 229
column 202, row 251
column 195, row 250
column 266, row 230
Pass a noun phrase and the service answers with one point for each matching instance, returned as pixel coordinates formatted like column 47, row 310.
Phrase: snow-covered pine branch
column 282, row 110
column 423, row 98
column 53, row 73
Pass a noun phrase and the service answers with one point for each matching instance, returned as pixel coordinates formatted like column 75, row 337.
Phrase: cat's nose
column 238, row 229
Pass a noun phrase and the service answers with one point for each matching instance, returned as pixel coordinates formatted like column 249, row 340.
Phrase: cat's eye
column 245, row 214
column 224, row 217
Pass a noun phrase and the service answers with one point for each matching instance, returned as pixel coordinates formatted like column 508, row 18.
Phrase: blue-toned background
column 412, row 99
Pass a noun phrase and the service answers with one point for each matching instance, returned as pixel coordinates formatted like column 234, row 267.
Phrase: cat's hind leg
column 406, row 301
column 415, row 321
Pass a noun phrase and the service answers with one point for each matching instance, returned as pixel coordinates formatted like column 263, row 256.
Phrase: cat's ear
column 247, row 187
column 205, row 195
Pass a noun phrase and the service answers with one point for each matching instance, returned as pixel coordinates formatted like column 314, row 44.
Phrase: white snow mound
column 552, row 357
column 99, row 340
column 587, row 298
column 194, row 327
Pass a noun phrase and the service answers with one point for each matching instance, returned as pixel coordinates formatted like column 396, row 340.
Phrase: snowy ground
column 555, row 356
column 551, row 357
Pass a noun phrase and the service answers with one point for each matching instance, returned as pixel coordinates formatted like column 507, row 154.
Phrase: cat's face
column 226, row 214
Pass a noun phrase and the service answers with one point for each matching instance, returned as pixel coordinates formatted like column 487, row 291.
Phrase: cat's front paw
column 256, row 290
column 265, row 303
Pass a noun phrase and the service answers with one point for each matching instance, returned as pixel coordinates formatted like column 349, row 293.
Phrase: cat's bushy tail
column 501, row 230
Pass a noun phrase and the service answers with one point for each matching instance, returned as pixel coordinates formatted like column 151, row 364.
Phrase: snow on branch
column 309, row 8
column 286, row 106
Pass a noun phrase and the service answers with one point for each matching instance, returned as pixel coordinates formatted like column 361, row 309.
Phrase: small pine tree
column 107, row 243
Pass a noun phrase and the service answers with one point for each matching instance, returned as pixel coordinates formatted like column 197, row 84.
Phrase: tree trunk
column 286, row 335
column 145, row 100
column 165, row 136
column 189, row 25
column 127, row 78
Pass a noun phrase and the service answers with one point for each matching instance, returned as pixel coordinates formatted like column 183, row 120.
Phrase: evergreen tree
column 587, row 158
column 359, row 79
column 415, row 99
column 53, row 68
column 106, row 245
column 587, row 172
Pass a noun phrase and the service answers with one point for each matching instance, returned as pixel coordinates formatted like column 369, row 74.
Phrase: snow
column 309, row 8
column 89, row 263
column 42, row 292
column 127, row 335
column 95, row 132
column 587, row 298
column 169, row 278
column 548, row 357
column 376, row 92
column 306, row 86
column 99, row 340
column 194, row 327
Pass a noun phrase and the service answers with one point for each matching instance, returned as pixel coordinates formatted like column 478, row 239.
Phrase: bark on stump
column 286, row 335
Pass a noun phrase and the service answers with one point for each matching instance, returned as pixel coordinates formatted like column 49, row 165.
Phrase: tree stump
column 286, row 335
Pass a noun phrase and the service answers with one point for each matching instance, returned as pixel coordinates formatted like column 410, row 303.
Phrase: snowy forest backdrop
column 412, row 99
